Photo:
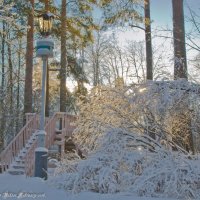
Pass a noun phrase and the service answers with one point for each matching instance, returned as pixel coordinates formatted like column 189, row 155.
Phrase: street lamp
column 45, row 22
column 44, row 50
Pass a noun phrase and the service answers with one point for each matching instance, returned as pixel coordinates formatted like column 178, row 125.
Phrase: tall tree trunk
column 180, row 71
column 2, row 88
column 10, row 88
column 149, row 62
column 180, row 64
column 47, row 5
column 3, row 59
column 18, row 84
column 10, row 66
column 63, row 58
column 149, row 57
column 29, row 62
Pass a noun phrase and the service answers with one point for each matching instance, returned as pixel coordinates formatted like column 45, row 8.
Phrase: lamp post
column 44, row 50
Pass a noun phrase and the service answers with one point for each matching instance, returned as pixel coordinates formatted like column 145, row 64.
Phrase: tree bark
column 63, row 61
column 29, row 62
column 2, row 88
column 149, row 57
column 18, row 84
column 180, row 71
column 46, row 5
column 10, row 88
column 180, row 64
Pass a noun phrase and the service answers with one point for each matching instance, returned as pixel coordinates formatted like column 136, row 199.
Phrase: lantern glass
column 45, row 24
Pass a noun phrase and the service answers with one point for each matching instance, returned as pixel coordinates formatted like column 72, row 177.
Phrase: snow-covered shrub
column 100, row 172
column 169, row 111
column 170, row 174
column 65, row 173
column 123, row 163
column 109, row 169
column 114, row 127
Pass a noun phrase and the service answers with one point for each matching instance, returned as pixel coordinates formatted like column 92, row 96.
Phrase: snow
column 41, row 149
column 122, row 164
column 19, row 187
column 123, row 161
column 114, row 126
column 16, row 185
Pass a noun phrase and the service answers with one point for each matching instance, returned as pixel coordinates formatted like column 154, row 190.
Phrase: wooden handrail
column 19, row 142
column 29, row 116
column 49, row 140
column 29, row 160
column 8, row 155
column 50, row 130
column 68, row 126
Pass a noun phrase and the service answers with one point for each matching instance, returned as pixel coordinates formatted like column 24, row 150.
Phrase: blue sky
column 161, row 10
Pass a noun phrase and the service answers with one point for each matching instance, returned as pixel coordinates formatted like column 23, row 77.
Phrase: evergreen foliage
column 122, row 13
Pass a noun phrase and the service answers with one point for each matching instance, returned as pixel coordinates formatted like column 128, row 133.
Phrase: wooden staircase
column 19, row 156
column 18, row 166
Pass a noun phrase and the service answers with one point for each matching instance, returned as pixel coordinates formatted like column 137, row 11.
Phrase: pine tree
column 29, row 61
column 63, row 58
column 12, row 31
column 180, row 71
column 180, row 63
column 149, row 57
column 75, row 27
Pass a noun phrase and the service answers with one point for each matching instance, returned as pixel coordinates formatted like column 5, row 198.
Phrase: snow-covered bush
column 168, row 111
column 114, row 127
column 123, row 163
column 170, row 175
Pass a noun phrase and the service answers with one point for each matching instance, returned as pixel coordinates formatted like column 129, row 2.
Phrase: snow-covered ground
column 19, row 187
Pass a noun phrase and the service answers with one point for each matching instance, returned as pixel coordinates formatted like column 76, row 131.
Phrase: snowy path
column 20, row 187
column 16, row 185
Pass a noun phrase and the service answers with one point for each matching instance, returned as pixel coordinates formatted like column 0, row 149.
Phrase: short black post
column 41, row 163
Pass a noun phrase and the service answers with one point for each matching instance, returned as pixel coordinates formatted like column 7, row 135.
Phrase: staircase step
column 20, row 162
column 62, row 142
column 58, row 131
column 21, row 155
column 53, row 150
column 14, row 171
column 32, row 140
column 28, row 145
column 24, row 150
column 59, row 136
column 17, row 159
column 18, row 166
